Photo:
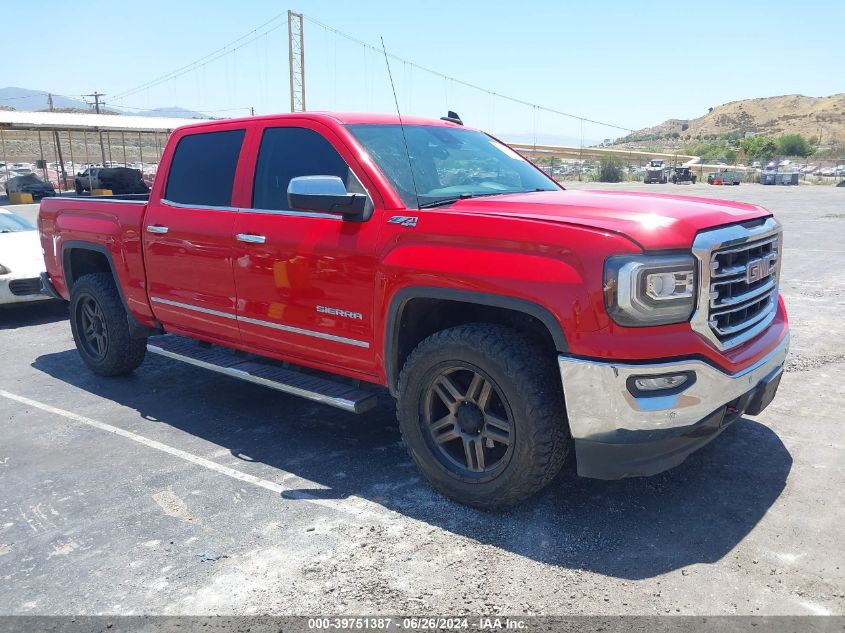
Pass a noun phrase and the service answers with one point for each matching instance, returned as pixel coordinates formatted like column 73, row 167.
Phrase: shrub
column 611, row 169
column 794, row 145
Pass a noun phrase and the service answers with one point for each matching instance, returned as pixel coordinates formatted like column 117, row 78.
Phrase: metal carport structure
column 61, row 126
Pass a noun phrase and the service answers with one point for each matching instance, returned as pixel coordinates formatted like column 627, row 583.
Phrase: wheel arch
column 404, row 329
column 82, row 258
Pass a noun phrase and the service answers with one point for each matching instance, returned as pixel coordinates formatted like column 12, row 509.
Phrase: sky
column 631, row 64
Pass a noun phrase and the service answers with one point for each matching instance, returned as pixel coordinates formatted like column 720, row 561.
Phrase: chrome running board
column 225, row 361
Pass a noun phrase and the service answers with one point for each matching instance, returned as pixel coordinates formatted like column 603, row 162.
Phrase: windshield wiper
column 464, row 196
column 445, row 201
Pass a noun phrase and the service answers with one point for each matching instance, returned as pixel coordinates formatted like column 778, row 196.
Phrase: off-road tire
column 527, row 380
column 121, row 353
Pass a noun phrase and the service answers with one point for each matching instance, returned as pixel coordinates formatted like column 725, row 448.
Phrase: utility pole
column 296, row 61
column 97, row 96
column 63, row 175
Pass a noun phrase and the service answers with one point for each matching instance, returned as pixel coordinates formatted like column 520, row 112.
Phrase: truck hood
column 655, row 221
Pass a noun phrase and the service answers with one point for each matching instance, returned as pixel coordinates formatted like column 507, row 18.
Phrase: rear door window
column 289, row 152
column 202, row 171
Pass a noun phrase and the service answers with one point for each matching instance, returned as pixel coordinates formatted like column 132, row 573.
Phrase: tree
column 610, row 169
column 713, row 150
column 794, row 145
column 761, row 148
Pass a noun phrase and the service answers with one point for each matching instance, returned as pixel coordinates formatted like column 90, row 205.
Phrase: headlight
column 645, row 290
column 4, row 270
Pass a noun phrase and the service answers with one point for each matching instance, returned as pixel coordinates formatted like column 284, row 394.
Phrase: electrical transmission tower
column 296, row 56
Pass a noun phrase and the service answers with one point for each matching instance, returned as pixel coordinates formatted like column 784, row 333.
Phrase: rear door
column 305, row 280
column 189, row 238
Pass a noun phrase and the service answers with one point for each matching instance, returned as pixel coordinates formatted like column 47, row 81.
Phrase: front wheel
column 100, row 328
column 481, row 412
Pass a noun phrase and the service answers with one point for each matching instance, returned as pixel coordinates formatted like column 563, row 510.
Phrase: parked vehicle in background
column 683, row 174
column 512, row 320
column 21, row 261
column 655, row 171
column 31, row 184
column 119, row 180
column 724, row 177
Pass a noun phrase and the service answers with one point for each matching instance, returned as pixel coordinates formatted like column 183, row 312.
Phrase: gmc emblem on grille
column 760, row 268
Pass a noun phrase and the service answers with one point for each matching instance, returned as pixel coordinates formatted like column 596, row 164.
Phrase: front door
column 305, row 281
column 189, row 239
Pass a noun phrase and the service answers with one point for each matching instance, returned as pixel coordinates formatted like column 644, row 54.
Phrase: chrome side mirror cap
column 325, row 194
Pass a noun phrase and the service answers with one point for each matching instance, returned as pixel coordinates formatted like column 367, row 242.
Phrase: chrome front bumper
column 663, row 429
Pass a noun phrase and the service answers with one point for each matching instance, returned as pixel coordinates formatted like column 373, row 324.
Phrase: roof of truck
column 344, row 118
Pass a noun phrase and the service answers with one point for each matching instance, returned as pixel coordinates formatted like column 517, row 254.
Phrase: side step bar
column 225, row 361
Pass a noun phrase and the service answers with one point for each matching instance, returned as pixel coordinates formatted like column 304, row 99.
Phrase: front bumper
column 20, row 289
column 618, row 434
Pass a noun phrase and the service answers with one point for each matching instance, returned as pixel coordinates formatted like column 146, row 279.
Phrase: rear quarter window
column 202, row 171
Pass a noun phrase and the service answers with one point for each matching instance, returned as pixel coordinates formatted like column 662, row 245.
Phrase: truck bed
column 109, row 226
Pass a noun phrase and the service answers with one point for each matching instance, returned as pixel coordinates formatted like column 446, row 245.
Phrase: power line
column 261, row 31
column 128, row 107
column 29, row 96
column 461, row 82
column 205, row 60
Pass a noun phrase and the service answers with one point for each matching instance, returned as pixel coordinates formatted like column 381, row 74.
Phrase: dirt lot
column 178, row 491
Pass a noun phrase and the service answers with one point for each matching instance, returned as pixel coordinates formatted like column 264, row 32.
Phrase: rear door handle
column 250, row 238
column 156, row 228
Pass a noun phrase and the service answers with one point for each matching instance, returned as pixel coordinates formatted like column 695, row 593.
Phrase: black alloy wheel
column 93, row 330
column 467, row 422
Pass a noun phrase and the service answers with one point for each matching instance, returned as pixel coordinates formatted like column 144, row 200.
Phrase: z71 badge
column 404, row 220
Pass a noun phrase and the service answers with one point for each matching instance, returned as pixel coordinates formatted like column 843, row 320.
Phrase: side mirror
column 325, row 194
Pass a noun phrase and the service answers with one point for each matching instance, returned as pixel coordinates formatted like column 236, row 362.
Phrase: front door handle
column 250, row 238
column 157, row 228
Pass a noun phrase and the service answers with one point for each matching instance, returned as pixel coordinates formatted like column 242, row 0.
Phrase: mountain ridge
column 822, row 117
column 30, row 100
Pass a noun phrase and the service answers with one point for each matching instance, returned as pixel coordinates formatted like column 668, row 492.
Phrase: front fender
column 549, row 284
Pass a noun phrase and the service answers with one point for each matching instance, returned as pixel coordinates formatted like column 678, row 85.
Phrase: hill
column 35, row 100
column 822, row 117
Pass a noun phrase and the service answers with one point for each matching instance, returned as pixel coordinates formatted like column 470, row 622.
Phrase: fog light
column 659, row 383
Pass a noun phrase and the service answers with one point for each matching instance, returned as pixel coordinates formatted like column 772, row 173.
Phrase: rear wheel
column 481, row 411
column 100, row 328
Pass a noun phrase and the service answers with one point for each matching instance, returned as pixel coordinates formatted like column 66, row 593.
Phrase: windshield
column 449, row 163
column 9, row 223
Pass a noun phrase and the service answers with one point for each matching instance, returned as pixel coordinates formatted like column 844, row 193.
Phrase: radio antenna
column 401, row 125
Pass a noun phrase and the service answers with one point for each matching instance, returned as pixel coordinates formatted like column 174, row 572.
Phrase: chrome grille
column 740, row 266
column 743, row 288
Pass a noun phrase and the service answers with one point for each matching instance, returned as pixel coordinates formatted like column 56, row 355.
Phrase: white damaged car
column 21, row 260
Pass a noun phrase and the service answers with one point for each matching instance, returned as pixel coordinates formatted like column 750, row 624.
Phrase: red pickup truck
column 332, row 255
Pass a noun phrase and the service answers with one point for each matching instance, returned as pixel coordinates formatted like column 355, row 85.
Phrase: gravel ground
column 178, row 491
